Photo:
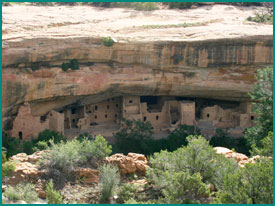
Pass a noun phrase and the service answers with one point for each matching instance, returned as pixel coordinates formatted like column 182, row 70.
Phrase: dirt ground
column 206, row 22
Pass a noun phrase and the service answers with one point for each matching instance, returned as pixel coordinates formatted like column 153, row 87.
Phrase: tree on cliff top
column 262, row 95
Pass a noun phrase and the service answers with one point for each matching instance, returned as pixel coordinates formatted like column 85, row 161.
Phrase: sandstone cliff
column 220, row 63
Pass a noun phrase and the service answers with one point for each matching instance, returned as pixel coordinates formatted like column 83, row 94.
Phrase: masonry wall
column 26, row 126
column 187, row 110
column 56, row 121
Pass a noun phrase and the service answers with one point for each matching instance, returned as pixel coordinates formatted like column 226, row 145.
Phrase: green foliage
column 66, row 156
column 222, row 139
column 41, row 145
column 52, row 195
column 181, row 5
column 109, row 180
column 28, row 147
column 126, row 192
column 252, row 184
column 74, row 65
column 145, row 6
column 132, row 137
column 24, row 192
column 83, row 136
column 137, row 136
column 48, row 135
column 8, row 168
column 4, row 155
column 267, row 146
column 198, row 157
column 261, row 18
column 262, row 95
column 108, row 41
column 12, row 145
column 184, row 188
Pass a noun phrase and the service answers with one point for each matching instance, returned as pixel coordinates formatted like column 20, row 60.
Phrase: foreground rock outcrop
column 130, row 164
column 239, row 157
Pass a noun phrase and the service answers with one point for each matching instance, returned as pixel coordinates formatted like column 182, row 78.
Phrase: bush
column 181, row 5
column 41, row 145
column 267, row 146
column 252, row 184
column 108, row 41
column 145, row 6
column 24, row 192
column 184, row 188
column 48, row 135
column 28, row 147
column 197, row 157
column 222, row 139
column 66, row 156
column 74, row 65
column 261, row 18
column 12, row 145
column 4, row 155
column 8, row 168
column 109, row 180
column 126, row 192
column 65, row 66
column 52, row 196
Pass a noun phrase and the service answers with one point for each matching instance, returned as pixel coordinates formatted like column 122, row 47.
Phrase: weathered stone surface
column 182, row 61
column 133, row 163
column 90, row 176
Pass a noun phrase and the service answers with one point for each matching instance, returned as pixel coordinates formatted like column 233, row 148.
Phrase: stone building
column 164, row 113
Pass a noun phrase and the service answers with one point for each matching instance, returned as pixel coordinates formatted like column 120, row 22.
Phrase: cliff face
column 218, row 69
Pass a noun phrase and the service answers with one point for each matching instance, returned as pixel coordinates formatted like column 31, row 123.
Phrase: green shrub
column 24, row 192
column 28, row 147
column 63, row 156
column 252, row 184
column 41, row 145
column 109, row 180
column 65, row 66
column 145, row 6
column 4, row 155
column 48, row 135
column 267, row 146
column 108, row 41
column 74, row 64
column 261, row 18
column 8, row 168
column 12, row 145
column 222, row 139
column 197, row 157
column 181, row 5
column 52, row 195
column 184, row 188
column 83, row 136
column 66, row 156
column 126, row 192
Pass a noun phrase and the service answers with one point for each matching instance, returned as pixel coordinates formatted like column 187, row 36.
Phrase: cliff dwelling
column 73, row 81
column 165, row 113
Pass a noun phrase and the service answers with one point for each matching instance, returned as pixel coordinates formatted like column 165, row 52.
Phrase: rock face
column 132, row 163
column 155, row 62
column 90, row 176
column 239, row 157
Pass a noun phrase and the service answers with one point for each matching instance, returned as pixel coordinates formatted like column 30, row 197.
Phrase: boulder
column 90, row 176
column 33, row 158
column 24, row 171
column 20, row 157
column 129, row 164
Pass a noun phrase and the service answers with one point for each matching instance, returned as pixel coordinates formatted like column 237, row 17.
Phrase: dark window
column 108, row 106
column 20, row 134
column 95, row 107
column 116, row 105
column 105, row 115
column 108, row 100
column 130, row 101
column 157, row 117
column 73, row 111
column 95, row 117
column 144, row 119
column 252, row 117
column 113, row 99
column 115, row 115
column 89, row 111
column 208, row 115
column 73, row 120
